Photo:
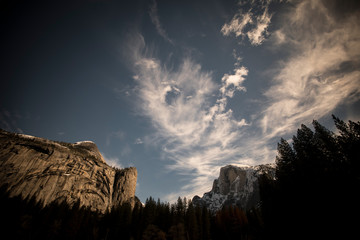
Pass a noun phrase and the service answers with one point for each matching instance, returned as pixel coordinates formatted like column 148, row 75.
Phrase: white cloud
column 198, row 133
column 322, row 71
column 257, row 34
column 112, row 161
column 250, row 24
column 232, row 83
column 138, row 141
column 237, row 25
column 279, row 37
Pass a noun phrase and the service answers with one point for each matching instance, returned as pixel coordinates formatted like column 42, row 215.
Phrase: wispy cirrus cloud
column 153, row 13
column 248, row 23
column 322, row 71
column 189, row 109
column 189, row 112
column 112, row 161
column 9, row 120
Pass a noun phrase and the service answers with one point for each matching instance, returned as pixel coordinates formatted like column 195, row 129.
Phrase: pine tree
column 149, row 211
column 180, row 209
column 316, row 181
column 192, row 222
column 285, row 162
column 206, row 224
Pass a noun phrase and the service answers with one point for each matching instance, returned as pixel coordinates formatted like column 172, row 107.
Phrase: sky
column 178, row 89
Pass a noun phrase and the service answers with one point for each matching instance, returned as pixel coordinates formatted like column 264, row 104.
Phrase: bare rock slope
column 235, row 186
column 56, row 171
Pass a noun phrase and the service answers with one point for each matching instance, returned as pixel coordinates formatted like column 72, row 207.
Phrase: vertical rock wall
column 235, row 186
column 125, row 189
column 56, row 171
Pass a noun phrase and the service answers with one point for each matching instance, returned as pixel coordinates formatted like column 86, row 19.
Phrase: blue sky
column 178, row 89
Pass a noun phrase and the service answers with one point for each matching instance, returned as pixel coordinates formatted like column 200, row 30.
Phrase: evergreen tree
column 285, row 162
column 180, row 209
column 149, row 211
column 316, row 181
column 192, row 222
column 205, row 222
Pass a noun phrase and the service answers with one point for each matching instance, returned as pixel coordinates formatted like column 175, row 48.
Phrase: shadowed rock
column 235, row 186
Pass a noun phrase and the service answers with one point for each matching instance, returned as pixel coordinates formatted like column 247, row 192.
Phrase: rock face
column 56, row 171
column 235, row 186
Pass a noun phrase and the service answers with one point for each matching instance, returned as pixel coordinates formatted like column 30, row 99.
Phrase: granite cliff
column 57, row 171
column 235, row 186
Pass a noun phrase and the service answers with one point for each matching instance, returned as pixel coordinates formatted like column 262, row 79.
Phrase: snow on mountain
column 235, row 186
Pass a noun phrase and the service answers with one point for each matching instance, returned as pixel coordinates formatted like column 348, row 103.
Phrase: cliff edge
column 57, row 171
column 235, row 186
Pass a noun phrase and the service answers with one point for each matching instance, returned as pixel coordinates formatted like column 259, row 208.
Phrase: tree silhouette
column 316, row 182
column 314, row 195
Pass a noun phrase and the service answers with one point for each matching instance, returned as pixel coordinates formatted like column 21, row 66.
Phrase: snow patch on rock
column 236, row 185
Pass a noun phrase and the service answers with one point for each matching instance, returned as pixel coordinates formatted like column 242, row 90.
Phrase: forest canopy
column 314, row 195
column 317, row 181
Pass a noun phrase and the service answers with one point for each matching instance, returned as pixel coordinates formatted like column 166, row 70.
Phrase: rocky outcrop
column 56, row 171
column 235, row 186
column 124, row 187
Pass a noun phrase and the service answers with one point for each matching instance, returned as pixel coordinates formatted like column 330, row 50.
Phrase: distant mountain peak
column 236, row 185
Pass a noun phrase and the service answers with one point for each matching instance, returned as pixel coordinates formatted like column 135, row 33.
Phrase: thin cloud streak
column 199, row 134
column 153, row 13
column 8, row 121
column 321, row 73
column 189, row 111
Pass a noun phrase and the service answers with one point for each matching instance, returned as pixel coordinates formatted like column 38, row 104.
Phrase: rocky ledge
column 58, row 171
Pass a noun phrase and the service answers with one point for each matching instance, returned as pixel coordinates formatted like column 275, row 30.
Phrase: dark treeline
column 315, row 195
column 28, row 219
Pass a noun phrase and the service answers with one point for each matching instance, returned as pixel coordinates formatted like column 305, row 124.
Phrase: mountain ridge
column 235, row 186
column 53, row 171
